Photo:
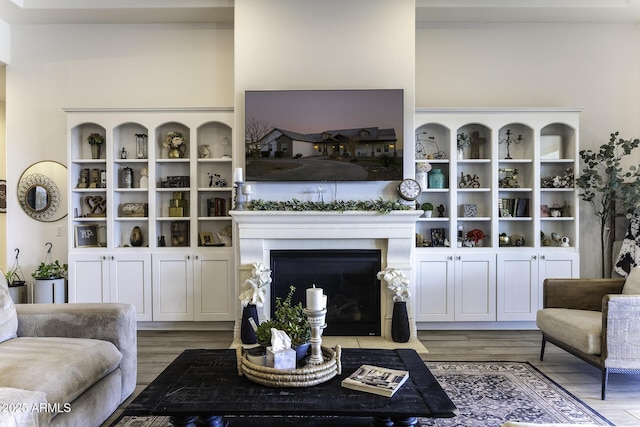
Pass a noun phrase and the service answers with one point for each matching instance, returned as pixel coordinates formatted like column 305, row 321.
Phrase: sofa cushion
column 632, row 284
column 62, row 368
column 8, row 316
column 580, row 329
column 23, row 408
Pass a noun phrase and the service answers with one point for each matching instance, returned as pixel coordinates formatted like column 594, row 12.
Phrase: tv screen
column 324, row 135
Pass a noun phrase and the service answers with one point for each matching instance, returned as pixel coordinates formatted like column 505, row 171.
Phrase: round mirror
column 39, row 191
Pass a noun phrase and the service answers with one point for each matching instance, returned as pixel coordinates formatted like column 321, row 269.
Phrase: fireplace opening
column 348, row 278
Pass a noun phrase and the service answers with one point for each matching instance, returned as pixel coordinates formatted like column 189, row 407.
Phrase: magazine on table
column 375, row 379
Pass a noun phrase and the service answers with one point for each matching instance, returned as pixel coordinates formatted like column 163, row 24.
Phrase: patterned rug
column 487, row 394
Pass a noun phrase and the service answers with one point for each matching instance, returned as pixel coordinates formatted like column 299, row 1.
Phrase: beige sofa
column 64, row 364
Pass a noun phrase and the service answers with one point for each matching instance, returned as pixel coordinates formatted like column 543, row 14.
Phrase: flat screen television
column 324, row 135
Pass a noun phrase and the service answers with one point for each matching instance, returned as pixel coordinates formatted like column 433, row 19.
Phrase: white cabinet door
column 475, row 286
column 130, row 282
column 88, row 277
column 435, row 288
column 214, row 298
column 558, row 265
column 517, row 286
column 172, row 286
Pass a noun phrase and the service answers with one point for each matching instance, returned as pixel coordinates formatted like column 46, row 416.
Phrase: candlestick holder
column 239, row 196
column 317, row 322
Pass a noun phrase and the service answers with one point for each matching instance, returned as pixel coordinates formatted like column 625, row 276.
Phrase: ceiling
column 17, row 12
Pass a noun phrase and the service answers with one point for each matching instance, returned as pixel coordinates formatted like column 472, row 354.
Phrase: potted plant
column 462, row 142
column 608, row 189
column 251, row 299
column 50, row 278
column 290, row 318
column 427, row 207
column 95, row 140
column 399, row 284
column 13, row 278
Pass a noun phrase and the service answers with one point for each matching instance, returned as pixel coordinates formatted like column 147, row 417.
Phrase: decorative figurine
column 204, row 152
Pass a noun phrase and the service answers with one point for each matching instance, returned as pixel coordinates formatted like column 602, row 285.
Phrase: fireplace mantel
column 393, row 233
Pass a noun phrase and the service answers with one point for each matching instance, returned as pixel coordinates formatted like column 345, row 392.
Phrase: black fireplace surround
column 348, row 278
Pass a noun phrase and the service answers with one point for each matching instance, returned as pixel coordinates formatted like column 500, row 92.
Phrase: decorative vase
column 460, row 153
column 247, row 334
column 136, row 238
column 436, row 179
column 175, row 153
column 422, row 177
column 400, row 322
column 95, row 151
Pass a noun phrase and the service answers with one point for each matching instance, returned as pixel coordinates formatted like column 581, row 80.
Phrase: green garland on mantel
column 380, row 206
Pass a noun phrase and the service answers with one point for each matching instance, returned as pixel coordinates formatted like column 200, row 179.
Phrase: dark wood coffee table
column 203, row 387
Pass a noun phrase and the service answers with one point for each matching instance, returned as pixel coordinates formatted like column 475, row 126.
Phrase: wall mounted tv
column 324, row 135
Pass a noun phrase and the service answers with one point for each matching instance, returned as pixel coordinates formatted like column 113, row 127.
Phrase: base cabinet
column 118, row 277
column 479, row 287
column 192, row 286
column 456, row 287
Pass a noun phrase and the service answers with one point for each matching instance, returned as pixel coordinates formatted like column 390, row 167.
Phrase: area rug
column 487, row 394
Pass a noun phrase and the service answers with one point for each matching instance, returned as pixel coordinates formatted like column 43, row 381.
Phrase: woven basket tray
column 303, row 377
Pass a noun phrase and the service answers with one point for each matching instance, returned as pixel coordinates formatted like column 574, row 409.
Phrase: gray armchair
column 592, row 320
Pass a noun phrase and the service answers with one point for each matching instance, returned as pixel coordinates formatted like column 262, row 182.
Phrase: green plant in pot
column 50, row 275
column 13, row 278
column 287, row 317
column 427, row 208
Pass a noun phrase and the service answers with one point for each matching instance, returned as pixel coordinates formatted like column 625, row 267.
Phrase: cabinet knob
column 188, row 257
column 104, row 258
column 458, row 257
column 112, row 257
column 197, row 257
column 450, row 258
column 542, row 257
column 534, row 257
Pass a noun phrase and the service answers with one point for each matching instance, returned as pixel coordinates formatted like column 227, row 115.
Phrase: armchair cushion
column 8, row 316
column 580, row 329
column 632, row 284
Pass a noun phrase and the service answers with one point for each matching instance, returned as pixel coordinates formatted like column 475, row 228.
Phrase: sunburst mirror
column 42, row 191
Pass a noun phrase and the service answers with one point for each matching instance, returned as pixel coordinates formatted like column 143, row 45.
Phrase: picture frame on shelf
column 437, row 237
column 86, row 236
column 206, row 239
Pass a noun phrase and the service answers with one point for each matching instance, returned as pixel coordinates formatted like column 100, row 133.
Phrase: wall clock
column 409, row 189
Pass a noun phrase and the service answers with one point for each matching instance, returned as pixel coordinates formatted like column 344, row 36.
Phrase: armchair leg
column 544, row 343
column 605, row 379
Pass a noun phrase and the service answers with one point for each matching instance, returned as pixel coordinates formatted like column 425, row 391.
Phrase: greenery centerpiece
column 608, row 189
column 287, row 317
column 50, row 270
column 380, row 205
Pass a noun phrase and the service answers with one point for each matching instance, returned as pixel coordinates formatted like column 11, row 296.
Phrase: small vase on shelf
column 422, row 178
column 95, row 151
column 175, row 153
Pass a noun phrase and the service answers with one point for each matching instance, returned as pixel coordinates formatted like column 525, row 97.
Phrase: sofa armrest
column 621, row 331
column 579, row 294
column 113, row 322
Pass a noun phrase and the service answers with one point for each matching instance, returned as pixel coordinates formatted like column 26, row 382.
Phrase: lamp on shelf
column 508, row 140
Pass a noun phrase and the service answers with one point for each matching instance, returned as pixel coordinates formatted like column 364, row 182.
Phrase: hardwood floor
column 156, row 349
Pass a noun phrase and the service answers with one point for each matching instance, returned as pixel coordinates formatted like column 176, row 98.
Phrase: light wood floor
column 156, row 349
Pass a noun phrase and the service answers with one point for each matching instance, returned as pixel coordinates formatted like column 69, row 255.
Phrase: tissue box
column 282, row 359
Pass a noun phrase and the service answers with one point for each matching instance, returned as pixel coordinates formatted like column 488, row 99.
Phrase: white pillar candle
column 247, row 189
column 237, row 177
column 314, row 299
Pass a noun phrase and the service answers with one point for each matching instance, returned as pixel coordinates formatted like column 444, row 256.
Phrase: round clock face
column 409, row 189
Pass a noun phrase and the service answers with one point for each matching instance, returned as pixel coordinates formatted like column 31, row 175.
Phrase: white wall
column 594, row 67
column 330, row 44
column 5, row 42
column 56, row 66
column 3, row 168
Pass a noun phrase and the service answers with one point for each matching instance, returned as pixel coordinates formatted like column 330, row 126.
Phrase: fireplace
column 392, row 235
column 347, row 277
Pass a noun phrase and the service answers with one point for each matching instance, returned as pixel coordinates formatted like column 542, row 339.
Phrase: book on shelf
column 376, row 380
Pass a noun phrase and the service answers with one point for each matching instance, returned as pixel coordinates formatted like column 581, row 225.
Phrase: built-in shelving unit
column 512, row 185
column 136, row 203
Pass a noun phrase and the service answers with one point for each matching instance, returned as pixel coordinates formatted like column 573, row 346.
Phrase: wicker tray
column 302, row 377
